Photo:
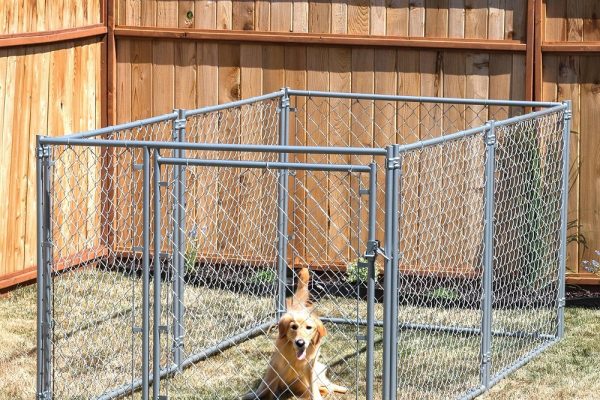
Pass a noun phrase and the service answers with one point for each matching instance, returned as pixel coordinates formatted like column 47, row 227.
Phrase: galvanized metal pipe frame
column 523, row 360
column 40, row 389
column 461, row 330
column 157, row 277
column 372, row 276
column 282, row 206
column 417, row 99
column 488, row 256
column 396, row 199
column 233, row 104
column 247, row 148
column 146, row 274
column 264, row 165
column 179, row 239
column 44, row 257
column 393, row 185
column 560, row 301
column 306, row 93
column 388, row 348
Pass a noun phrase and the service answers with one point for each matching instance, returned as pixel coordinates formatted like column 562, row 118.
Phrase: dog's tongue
column 301, row 354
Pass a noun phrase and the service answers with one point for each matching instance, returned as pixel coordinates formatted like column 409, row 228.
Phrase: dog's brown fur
column 293, row 368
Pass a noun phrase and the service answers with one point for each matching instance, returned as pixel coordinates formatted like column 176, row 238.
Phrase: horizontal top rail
column 121, row 127
column 263, row 165
column 442, row 139
column 233, row 104
column 532, row 115
column 249, row 148
column 418, row 99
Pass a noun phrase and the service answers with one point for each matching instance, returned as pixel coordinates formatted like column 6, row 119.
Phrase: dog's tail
column 301, row 297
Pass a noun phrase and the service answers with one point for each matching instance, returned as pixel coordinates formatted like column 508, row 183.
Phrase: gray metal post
column 40, row 270
column 146, row 274
column 44, row 317
column 157, row 279
column 387, row 278
column 178, row 240
column 488, row 256
column 282, row 200
column 395, row 255
column 563, row 222
column 371, row 255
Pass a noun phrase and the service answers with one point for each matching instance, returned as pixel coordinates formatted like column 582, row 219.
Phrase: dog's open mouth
column 301, row 353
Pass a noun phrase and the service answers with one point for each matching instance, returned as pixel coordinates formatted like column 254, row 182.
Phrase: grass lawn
column 569, row 370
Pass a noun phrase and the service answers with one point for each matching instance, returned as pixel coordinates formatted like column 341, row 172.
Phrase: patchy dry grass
column 568, row 370
column 429, row 362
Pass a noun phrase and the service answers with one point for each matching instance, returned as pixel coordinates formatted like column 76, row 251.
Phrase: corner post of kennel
column 488, row 255
column 560, row 303
column 44, row 265
column 390, row 306
column 178, row 260
column 282, row 203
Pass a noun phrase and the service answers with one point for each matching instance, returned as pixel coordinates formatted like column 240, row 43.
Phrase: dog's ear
column 284, row 325
column 320, row 333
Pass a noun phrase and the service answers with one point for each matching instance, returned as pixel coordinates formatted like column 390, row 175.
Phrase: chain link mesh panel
column 231, row 278
column 528, row 195
column 95, row 294
column 96, row 246
column 330, row 121
column 441, row 233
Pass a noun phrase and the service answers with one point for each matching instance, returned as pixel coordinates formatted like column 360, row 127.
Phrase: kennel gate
column 505, row 157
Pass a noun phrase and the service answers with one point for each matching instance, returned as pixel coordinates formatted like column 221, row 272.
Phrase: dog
column 294, row 364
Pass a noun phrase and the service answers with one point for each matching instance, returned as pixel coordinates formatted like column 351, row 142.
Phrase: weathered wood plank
column 385, row 121
column 416, row 17
column 319, row 17
column 243, row 15
column 363, row 66
column 317, row 63
column 358, row 17
column 589, row 179
column 409, row 83
column 397, row 18
column 340, row 62
column 205, row 16
column 224, row 14
column 295, row 77
column 281, row 16
column 300, row 16
column 228, row 238
column 436, row 18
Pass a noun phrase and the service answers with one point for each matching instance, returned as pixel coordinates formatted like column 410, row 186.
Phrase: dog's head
column 303, row 331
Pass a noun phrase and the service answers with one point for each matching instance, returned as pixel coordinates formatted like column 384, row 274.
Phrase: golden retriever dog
column 294, row 365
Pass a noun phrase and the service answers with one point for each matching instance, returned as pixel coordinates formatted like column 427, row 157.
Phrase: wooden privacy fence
column 51, row 82
column 153, row 56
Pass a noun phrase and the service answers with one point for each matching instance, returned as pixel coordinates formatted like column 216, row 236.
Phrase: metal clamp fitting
column 568, row 114
column 179, row 123
column 394, row 163
column 490, row 134
column 44, row 395
column 43, row 151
